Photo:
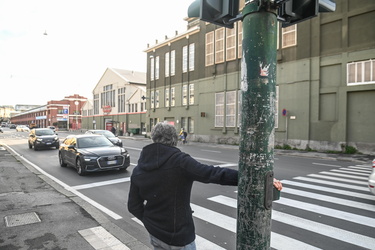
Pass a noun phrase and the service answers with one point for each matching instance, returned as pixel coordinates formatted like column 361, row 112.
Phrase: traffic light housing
column 294, row 11
column 218, row 12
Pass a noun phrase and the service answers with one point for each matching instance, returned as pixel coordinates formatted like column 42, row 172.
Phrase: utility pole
column 258, row 88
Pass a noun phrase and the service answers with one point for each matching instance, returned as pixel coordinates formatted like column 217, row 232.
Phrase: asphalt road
column 324, row 204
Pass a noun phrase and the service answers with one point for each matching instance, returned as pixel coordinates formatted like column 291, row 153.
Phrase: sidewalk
column 37, row 213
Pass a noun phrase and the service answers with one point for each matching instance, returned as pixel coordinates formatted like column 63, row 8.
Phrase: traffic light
column 215, row 11
column 295, row 11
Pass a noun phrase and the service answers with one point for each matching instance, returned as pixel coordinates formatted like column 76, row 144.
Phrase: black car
column 13, row 126
column 114, row 139
column 92, row 153
column 43, row 138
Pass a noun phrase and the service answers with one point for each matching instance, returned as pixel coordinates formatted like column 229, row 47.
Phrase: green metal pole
column 258, row 77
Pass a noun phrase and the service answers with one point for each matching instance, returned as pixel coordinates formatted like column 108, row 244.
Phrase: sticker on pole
column 284, row 112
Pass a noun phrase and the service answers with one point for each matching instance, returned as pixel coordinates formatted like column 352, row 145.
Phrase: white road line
column 348, row 172
column 329, row 199
column 361, row 167
column 211, row 151
column 287, row 243
column 312, row 226
column 358, row 219
column 99, row 238
column 357, row 170
column 329, row 190
column 331, row 183
column 338, row 179
column 200, row 242
column 211, row 160
column 136, row 149
column 229, row 223
column 102, row 183
column 328, row 165
column 344, row 175
column 70, row 189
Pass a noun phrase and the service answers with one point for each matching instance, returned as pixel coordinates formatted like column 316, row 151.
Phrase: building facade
column 64, row 114
column 325, row 81
column 117, row 102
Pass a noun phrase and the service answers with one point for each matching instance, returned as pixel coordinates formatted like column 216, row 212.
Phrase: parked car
column 43, row 138
column 52, row 128
column 22, row 128
column 13, row 126
column 371, row 179
column 114, row 139
column 92, row 153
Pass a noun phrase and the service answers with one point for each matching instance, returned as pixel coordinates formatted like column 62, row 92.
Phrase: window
column 183, row 123
column 173, row 62
column 184, row 95
column 230, row 109
column 210, row 48
column 96, row 104
column 152, row 99
column 191, row 125
column 239, row 39
column 173, row 96
column 108, row 96
column 167, row 97
column 121, row 100
column 289, row 36
column 219, row 45
column 157, row 99
column 166, row 65
column 191, row 56
column 157, row 68
column 219, row 109
column 362, row 72
column 184, row 59
column 231, row 43
column 191, row 94
column 152, row 68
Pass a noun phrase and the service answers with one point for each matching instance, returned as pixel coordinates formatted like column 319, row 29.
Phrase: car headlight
column 124, row 152
column 39, row 140
column 56, row 139
column 89, row 158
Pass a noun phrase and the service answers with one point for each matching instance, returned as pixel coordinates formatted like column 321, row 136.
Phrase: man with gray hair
column 161, row 186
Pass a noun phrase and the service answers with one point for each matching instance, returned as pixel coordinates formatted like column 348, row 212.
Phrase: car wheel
column 30, row 145
column 79, row 167
column 61, row 161
column 57, row 146
column 35, row 148
column 123, row 169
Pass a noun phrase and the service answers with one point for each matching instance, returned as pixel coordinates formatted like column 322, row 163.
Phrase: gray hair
column 164, row 133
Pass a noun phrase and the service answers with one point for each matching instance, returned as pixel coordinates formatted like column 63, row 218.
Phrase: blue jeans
column 160, row 245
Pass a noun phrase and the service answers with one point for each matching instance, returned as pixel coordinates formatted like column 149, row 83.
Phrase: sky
column 84, row 38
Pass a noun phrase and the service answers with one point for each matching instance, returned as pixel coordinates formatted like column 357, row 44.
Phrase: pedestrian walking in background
column 161, row 186
column 113, row 130
column 183, row 135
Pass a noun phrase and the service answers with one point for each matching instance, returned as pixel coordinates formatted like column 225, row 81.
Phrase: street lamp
column 76, row 103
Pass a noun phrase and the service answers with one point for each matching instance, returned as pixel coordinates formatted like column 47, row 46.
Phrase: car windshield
column 106, row 133
column 92, row 142
column 44, row 132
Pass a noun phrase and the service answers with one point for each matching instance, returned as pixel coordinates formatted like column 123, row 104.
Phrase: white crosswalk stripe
column 331, row 194
column 320, row 228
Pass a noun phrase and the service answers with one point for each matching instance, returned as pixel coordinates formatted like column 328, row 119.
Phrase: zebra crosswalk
column 317, row 211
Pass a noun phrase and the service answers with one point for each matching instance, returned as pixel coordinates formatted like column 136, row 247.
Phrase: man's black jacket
column 160, row 191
